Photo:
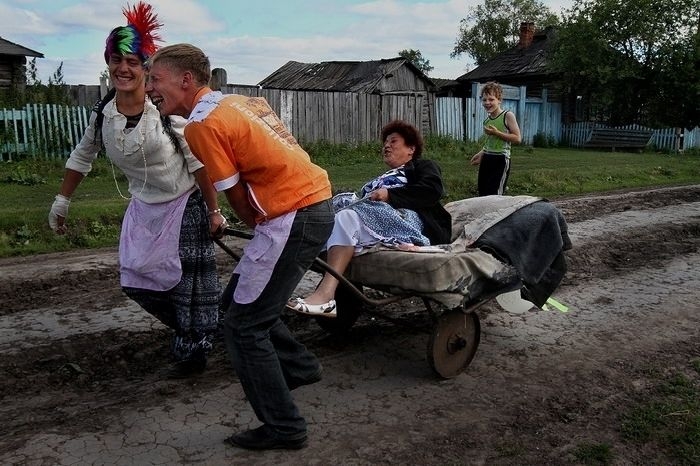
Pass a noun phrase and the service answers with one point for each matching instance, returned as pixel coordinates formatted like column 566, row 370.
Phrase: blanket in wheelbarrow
column 499, row 244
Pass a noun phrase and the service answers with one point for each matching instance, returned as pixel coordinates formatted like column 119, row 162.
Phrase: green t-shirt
column 493, row 144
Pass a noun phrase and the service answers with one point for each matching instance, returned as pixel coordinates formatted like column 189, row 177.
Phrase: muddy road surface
column 82, row 367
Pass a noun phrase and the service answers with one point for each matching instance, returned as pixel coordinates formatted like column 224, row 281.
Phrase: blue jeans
column 263, row 352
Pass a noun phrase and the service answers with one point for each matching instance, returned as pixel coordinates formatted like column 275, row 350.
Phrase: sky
column 249, row 40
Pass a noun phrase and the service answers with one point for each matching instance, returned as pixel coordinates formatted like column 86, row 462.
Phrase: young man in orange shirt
column 273, row 186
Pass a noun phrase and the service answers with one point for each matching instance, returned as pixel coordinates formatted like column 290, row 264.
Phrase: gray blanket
column 533, row 240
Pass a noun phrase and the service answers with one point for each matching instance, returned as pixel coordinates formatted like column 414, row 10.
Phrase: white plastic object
column 512, row 302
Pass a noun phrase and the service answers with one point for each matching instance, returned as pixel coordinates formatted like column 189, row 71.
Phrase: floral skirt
column 191, row 307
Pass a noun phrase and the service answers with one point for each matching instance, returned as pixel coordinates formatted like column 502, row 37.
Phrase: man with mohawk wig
column 166, row 251
column 138, row 37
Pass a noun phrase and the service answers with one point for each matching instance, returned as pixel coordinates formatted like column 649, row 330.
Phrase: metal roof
column 340, row 76
column 10, row 48
column 516, row 61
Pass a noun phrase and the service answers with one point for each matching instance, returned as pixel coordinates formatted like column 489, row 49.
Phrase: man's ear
column 187, row 79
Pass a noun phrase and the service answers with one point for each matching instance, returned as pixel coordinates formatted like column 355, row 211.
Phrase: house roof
column 340, row 76
column 444, row 82
column 10, row 48
column 516, row 61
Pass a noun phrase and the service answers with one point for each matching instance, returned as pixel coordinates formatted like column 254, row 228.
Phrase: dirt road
column 81, row 373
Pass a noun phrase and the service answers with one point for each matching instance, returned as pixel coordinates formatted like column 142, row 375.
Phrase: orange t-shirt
column 241, row 139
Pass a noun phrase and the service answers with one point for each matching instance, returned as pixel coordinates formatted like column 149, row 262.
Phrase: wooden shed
column 394, row 76
column 13, row 58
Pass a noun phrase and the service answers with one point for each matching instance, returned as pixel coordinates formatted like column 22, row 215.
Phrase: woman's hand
column 217, row 224
column 381, row 194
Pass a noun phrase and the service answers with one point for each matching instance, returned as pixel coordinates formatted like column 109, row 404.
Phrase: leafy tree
column 415, row 57
column 494, row 27
column 639, row 67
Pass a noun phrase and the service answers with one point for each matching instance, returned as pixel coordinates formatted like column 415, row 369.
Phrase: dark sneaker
column 262, row 439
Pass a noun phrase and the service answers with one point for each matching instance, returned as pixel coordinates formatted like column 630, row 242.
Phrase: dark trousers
column 265, row 355
column 493, row 174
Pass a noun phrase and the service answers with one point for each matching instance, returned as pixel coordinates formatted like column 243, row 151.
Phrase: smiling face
column 395, row 151
column 126, row 72
column 491, row 103
column 166, row 88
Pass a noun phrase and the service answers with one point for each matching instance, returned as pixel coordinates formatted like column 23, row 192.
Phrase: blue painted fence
column 462, row 118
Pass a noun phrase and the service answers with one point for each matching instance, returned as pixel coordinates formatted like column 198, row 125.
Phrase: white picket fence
column 673, row 139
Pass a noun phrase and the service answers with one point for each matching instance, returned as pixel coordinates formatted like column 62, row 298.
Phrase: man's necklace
column 143, row 156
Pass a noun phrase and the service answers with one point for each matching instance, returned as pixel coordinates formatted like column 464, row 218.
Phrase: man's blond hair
column 184, row 57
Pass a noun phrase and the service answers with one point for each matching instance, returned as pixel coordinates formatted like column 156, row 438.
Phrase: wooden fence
column 672, row 139
column 338, row 117
column 463, row 118
column 49, row 131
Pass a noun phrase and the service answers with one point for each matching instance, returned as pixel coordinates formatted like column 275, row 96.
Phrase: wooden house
column 13, row 58
column 386, row 77
column 524, row 64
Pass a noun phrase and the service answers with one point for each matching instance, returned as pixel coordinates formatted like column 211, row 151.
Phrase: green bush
column 543, row 140
column 20, row 175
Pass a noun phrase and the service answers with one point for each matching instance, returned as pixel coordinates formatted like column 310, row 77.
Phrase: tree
column 415, row 57
column 34, row 91
column 494, row 27
column 57, row 91
column 639, row 67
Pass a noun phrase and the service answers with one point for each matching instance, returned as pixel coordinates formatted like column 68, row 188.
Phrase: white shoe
column 323, row 310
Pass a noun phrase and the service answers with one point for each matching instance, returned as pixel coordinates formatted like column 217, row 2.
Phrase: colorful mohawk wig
column 138, row 36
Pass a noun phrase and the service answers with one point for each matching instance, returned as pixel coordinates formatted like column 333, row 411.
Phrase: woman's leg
column 341, row 248
column 338, row 259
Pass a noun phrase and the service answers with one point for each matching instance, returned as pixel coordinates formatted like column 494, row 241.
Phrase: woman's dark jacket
column 422, row 193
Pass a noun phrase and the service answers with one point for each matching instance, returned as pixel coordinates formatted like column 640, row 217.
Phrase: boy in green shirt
column 501, row 130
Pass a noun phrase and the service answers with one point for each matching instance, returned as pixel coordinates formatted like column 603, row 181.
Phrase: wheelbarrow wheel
column 348, row 309
column 453, row 342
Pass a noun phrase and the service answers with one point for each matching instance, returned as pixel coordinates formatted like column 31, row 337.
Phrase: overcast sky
column 248, row 39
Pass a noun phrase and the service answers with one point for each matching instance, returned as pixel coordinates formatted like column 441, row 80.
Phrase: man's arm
column 237, row 196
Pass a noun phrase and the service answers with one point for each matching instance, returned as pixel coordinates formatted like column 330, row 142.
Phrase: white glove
column 59, row 208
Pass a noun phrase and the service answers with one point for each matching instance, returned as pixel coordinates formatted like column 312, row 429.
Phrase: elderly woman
column 399, row 208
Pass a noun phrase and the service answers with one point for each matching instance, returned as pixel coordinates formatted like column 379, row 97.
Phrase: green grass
column 668, row 416
column 28, row 186
column 597, row 454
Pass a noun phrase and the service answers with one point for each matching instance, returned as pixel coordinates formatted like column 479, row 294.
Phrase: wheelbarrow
column 453, row 281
